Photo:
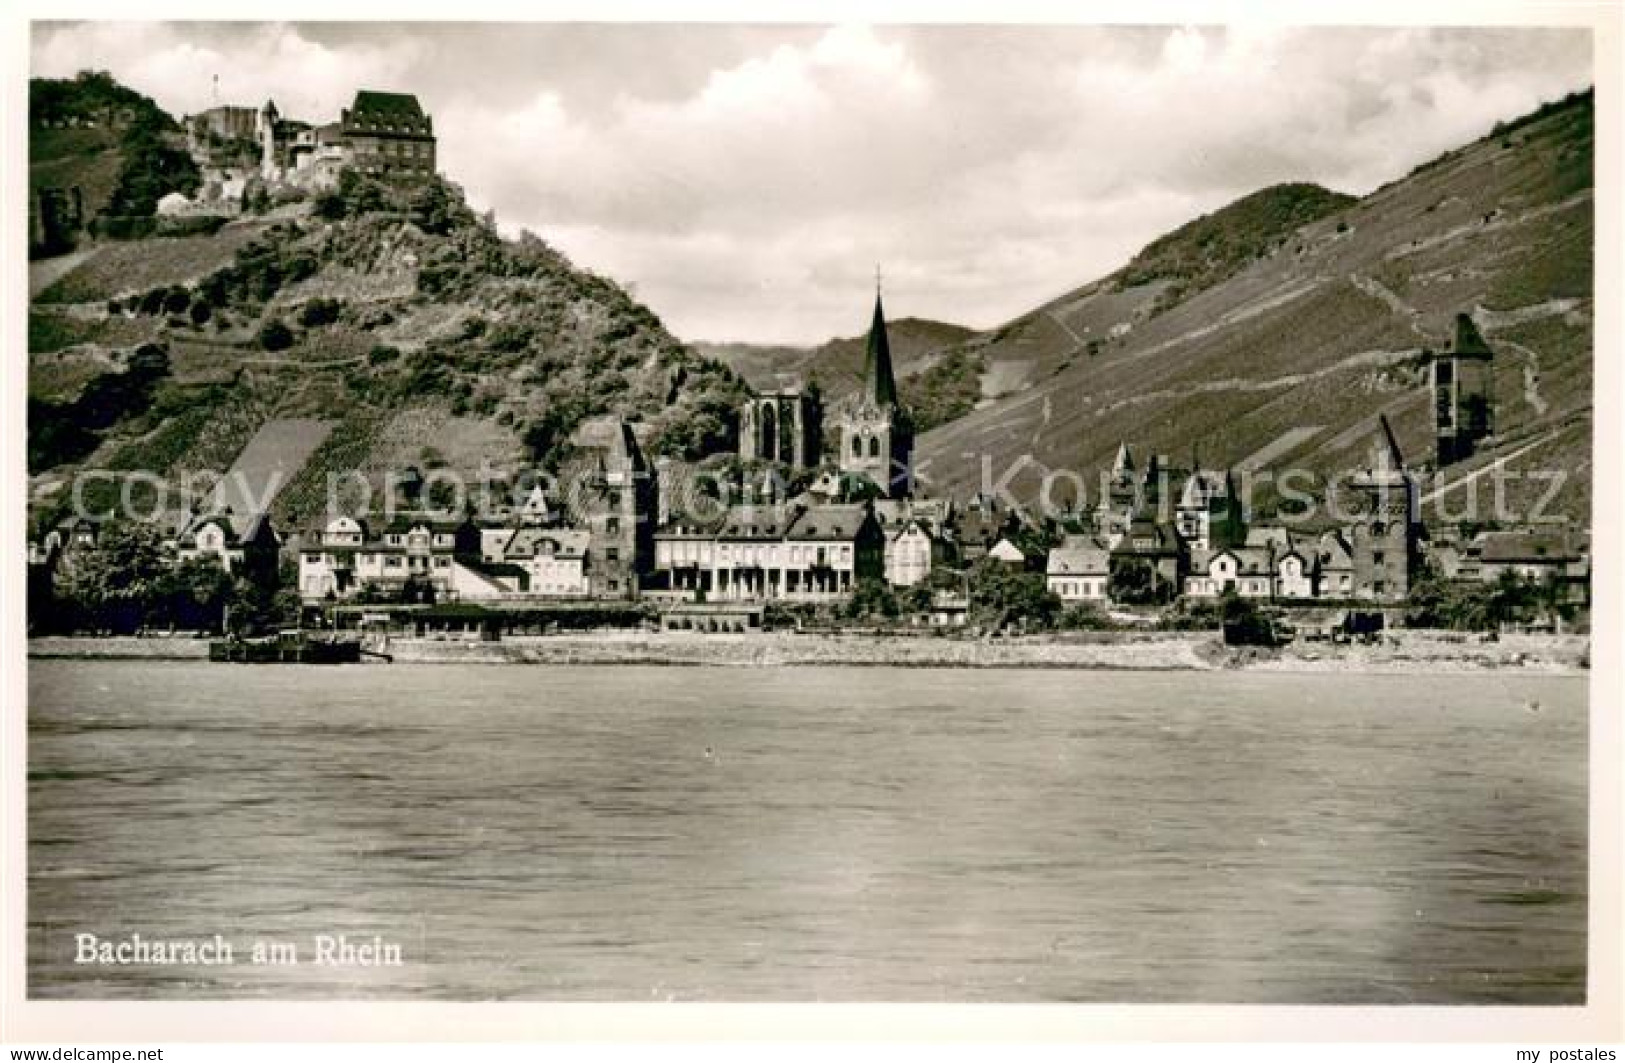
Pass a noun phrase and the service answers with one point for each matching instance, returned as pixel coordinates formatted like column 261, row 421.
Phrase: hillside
column 118, row 148
column 1305, row 337
column 836, row 366
column 393, row 315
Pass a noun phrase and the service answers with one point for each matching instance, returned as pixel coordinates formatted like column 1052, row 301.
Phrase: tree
column 112, row 585
column 1135, row 581
column 872, row 599
column 1244, row 624
column 320, row 311
column 192, row 595
column 1001, row 595
column 275, row 336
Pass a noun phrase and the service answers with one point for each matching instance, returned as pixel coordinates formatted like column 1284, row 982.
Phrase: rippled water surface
column 536, row 833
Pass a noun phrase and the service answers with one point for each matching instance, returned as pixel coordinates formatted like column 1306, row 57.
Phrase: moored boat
column 287, row 647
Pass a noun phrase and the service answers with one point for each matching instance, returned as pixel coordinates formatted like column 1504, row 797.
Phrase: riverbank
column 120, row 647
column 1402, row 653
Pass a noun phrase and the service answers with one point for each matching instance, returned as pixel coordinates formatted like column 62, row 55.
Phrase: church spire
column 1385, row 455
column 879, row 383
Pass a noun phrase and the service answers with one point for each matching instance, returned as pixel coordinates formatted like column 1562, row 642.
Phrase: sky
column 745, row 181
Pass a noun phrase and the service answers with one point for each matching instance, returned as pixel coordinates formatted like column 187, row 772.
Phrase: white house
column 554, row 560
column 1079, row 571
column 1294, row 575
column 1248, row 571
column 242, row 543
column 909, row 550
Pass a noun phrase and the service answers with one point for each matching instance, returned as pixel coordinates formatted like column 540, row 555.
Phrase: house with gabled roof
column 1079, row 570
column 244, row 544
column 553, row 560
column 1247, row 571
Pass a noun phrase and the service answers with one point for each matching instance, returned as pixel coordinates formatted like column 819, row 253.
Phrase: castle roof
column 879, row 382
column 386, row 106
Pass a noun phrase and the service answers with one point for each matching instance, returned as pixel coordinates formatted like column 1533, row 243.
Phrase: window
column 874, row 446
column 612, row 526
column 612, row 554
column 857, row 447
column 1377, row 557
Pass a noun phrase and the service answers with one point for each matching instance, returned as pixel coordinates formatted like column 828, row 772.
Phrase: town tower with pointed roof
column 1384, row 535
column 874, row 436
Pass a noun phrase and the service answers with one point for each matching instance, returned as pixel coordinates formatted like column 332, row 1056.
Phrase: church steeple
column 879, row 383
column 876, row 437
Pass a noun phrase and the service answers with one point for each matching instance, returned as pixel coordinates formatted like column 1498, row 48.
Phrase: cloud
column 746, row 180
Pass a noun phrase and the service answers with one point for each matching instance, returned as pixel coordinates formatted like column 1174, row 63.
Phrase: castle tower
column 267, row 131
column 875, row 437
column 1463, row 393
column 1383, row 536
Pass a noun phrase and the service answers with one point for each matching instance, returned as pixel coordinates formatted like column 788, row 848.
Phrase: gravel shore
column 1406, row 652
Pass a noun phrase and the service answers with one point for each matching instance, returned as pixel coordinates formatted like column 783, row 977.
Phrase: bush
column 1135, row 581
column 1001, row 595
column 872, row 599
column 153, row 302
column 1084, row 618
column 382, row 354
column 1244, row 624
column 177, row 301
column 319, row 312
column 201, row 312
column 275, row 336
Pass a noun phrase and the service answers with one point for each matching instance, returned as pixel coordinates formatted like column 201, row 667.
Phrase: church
column 858, row 520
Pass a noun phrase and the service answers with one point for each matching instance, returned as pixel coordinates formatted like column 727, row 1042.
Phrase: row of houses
column 1157, row 532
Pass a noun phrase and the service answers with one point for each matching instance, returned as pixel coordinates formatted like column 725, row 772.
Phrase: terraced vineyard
column 1324, row 331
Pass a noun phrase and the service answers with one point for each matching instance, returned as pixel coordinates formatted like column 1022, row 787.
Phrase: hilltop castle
column 382, row 134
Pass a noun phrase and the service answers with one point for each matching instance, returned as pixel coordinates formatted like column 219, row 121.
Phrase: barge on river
column 287, row 647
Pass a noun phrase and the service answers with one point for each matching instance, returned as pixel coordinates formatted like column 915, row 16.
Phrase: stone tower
column 617, row 502
column 1383, row 536
column 1463, row 393
column 875, row 437
column 267, row 130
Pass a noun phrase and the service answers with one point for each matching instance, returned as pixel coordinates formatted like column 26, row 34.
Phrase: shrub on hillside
column 275, row 336
column 319, row 312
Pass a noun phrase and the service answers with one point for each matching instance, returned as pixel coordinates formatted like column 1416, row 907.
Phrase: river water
column 853, row 834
